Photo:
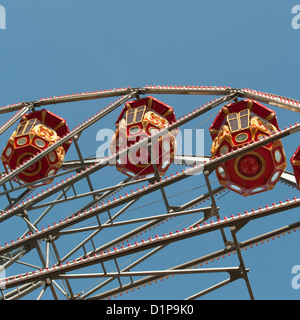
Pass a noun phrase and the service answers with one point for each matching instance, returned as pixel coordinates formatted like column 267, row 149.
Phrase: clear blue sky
column 66, row 46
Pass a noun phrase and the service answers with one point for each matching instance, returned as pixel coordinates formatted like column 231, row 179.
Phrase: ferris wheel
column 100, row 225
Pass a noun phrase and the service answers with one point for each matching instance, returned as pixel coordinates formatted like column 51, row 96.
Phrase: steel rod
column 145, row 273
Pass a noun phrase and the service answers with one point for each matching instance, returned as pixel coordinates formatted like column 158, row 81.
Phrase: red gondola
column 35, row 132
column 140, row 119
column 238, row 124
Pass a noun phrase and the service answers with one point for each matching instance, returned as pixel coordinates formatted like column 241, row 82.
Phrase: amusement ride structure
column 80, row 225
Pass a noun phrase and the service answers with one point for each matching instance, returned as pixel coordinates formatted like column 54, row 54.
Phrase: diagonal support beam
column 242, row 264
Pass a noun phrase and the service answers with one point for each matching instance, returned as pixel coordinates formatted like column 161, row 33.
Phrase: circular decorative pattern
column 8, row 151
column 221, row 172
column 165, row 164
column 257, row 190
column 224, row 149
column 278, row 156
column 40, row 143
column 34, row 168
column 21, row 141
column 249, row 165
column 134, row 130
column 241, row 137
column 51, row 173
column 52, row 157
column 235, row 187
column 153, row 130
column 261, row 136
column 275, row 176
